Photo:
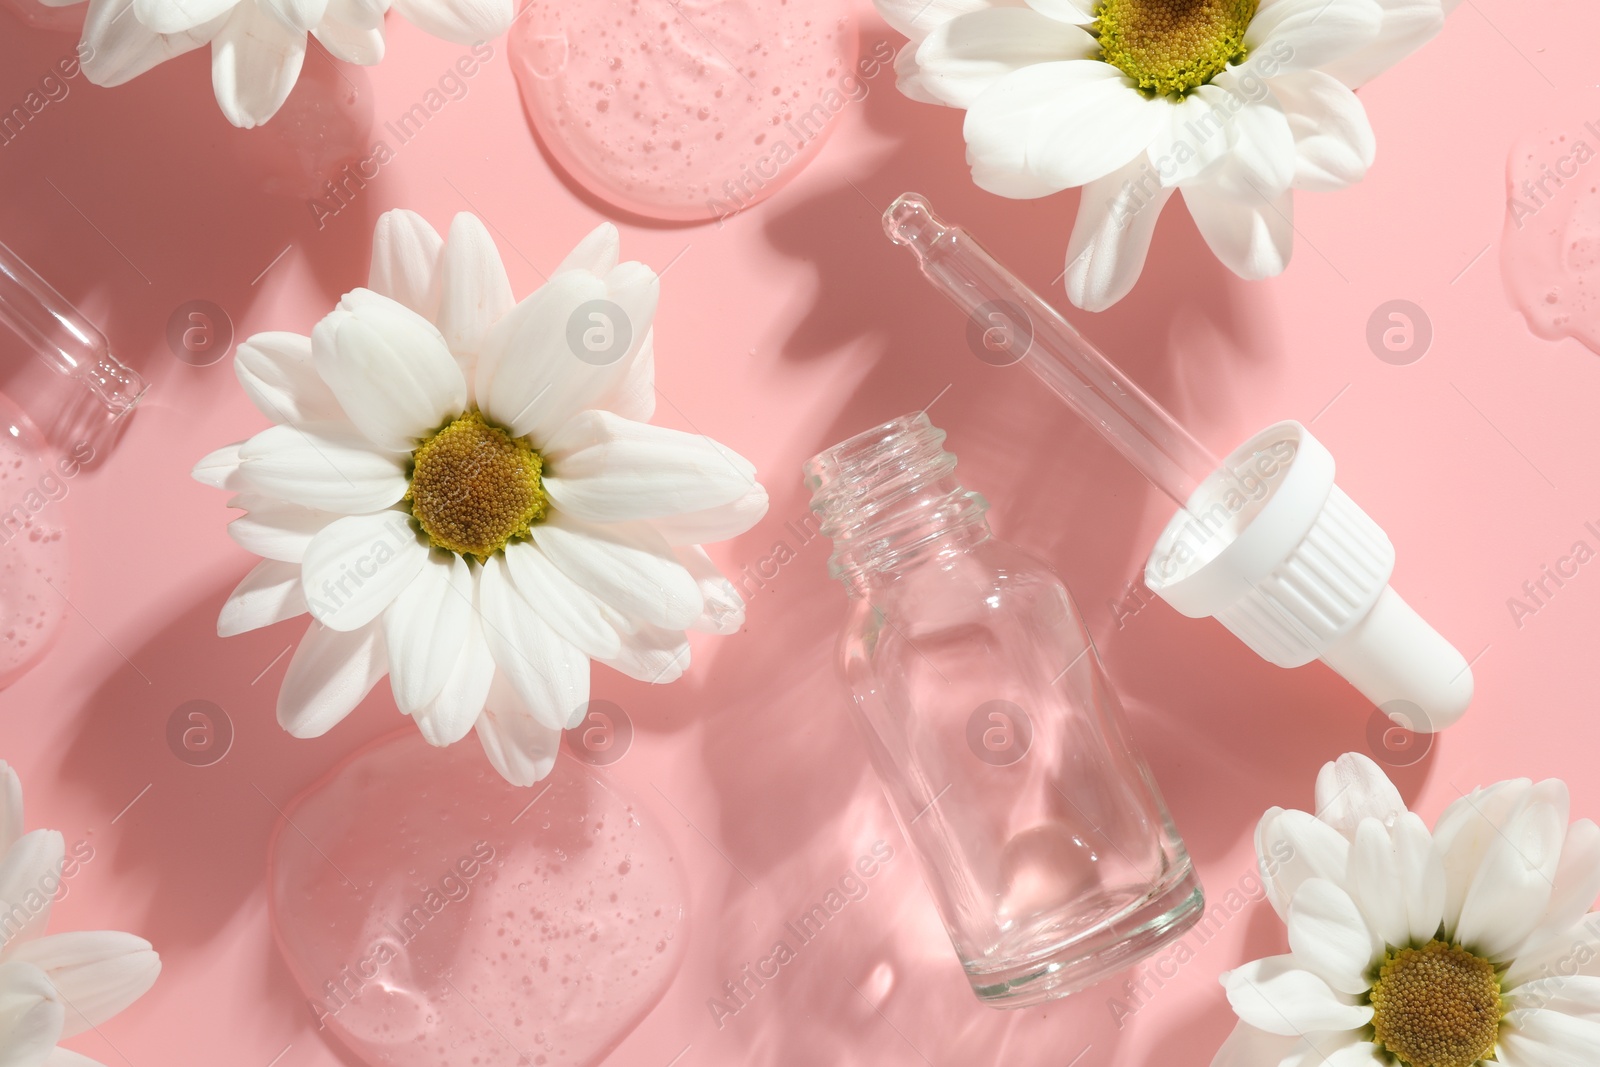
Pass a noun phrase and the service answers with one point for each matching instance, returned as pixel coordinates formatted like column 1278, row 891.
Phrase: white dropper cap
column 1276, row 552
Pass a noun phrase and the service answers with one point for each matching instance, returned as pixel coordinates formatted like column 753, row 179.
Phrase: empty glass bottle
column 988, row 716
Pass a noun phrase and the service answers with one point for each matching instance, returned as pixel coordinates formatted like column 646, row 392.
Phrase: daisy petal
column 1536, row 1038
column 30, row 873
column 1355, row 1054
column 724, row 607
column 1292, row 846
column 1407, row 25
column 908, row 76
column 550, row 676
column 389, row 367
column 1247, row 1046
column 460, row 21
column 274, row 529
column 1333, row 141
column 1512, row 887
column 330, row 673
column 627, row 566
column 1353, row 788
column 1577, row 884
column 1077, row 12
column 634, row 395
column 406, row 254
column 715, row 524
column 176, row 16
column 528, row 375
column 1464, row 832
column 1278, row 996
column 614, row 470
column 521, row 748
column 118, row 47
column 474, row 292
column 10, row 807
column 915, row 18
column 356, row 566
column 1328, row 935
column 1111, row 237
column 278, row 377
column 1570, row 994
column 1252, row 237
column 652, row 654
column 322, row 466
column 597, row 253
column 1260, row 155
column 1573, row 951
column 1422, row 881
column 1195, row 136
column 255, row 61
column 353, row 31
column 270, row 593
column 570, row 610
column 1305, row 34
column 425, row 630
column 220, row 469
column 1067, row 122
column 30, row 1015
column 962, row 58
column 448, row 717
column 300, row 15
column 96, row 973
column 1011, row 184
column 1375, row 883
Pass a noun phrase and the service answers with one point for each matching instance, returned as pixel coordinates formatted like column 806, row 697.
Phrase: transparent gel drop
column 33, row 543
column 435, row 916
column 685, row 110
column 1550, row 256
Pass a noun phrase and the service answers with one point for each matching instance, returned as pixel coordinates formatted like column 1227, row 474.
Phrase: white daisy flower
column 1235, row 102
column 466, row 494
column 53, row 986
column 1472, row 944
column 258, row 46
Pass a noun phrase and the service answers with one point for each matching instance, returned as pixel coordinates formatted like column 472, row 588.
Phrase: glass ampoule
column 993, row 729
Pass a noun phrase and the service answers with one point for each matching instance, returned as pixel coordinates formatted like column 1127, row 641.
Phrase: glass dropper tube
column 62, row 337
column 1036, row 335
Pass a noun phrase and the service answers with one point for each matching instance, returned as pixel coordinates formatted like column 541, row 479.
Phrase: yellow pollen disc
column 1436, row 1006
column 475, row 488
column 1169, row 47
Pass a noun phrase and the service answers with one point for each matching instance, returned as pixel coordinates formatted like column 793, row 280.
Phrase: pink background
column 784, row 330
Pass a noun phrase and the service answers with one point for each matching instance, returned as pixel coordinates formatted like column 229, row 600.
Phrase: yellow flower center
column 1169, row 47
column 1436, row 1006
column 475, row 488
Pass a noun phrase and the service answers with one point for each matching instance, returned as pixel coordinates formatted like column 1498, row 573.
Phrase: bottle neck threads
column 888, row 498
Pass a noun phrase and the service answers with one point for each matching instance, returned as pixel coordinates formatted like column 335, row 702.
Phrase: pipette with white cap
column 1263, row 541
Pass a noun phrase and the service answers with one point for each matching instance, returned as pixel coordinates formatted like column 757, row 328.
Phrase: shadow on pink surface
column 149, row 184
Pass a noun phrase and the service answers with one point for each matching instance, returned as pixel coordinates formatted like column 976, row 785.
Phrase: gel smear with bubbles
column 1550, row 254
column 436, row 916
column 685, row 110
column 33, row 543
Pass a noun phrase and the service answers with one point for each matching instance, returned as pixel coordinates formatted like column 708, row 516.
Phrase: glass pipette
column 63, row 338
column 1264, row 541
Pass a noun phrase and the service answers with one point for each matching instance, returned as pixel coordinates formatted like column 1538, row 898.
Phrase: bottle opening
column 887, row 493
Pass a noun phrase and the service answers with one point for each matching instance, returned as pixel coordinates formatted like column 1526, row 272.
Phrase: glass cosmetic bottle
column 993, row 729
